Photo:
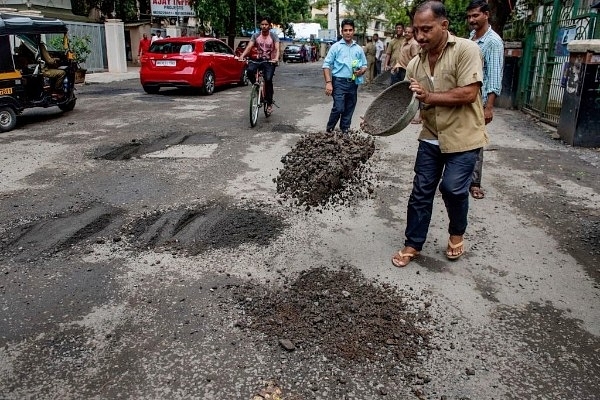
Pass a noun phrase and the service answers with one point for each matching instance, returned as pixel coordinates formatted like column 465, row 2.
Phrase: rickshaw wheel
column 69, row 106
column 8, row 119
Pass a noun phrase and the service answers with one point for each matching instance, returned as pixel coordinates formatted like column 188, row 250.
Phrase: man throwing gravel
column 446, row 78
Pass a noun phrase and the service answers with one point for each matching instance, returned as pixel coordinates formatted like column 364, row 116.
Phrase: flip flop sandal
column 410, row 256
column 476, row 192
column 451, row 246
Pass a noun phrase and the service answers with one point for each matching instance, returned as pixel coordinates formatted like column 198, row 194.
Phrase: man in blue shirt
column 343, row 69
column 492, row 50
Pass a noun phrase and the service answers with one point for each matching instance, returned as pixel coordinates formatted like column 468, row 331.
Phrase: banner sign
column 171, row 8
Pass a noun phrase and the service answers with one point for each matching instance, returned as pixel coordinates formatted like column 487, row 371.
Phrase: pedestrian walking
column 143, row 46
column 492, row 49
column 409, row 49
column 370, row 53
column 343, row 69
column 446, row 78
column 393, row 52
column 379, row 53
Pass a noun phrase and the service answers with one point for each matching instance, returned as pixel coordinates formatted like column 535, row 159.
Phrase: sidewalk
column 105, row 77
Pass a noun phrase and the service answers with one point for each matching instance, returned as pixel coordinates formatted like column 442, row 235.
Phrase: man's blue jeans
column 344, row 102
column 455, row 171
column 398, row 76
column 268, row 69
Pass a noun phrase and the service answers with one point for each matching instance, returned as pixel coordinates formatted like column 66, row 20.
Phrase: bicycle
column 257, row 96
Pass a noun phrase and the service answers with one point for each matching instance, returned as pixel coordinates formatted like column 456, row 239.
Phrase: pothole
column 327, row 169
column 195, row 230
column 284, row 128
column 198, row 145
column 61, row 232
column 326, row 312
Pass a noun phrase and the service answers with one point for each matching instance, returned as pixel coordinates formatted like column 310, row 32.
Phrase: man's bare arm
column 454, row 97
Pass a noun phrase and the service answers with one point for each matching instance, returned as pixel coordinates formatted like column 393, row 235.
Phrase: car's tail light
column 190, row 58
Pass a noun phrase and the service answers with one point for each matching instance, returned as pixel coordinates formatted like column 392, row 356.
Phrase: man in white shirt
column 379, row 53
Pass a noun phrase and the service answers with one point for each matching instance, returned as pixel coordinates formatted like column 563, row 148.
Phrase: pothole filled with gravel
column 340, row 314
column 327, row 169
column 197, row 229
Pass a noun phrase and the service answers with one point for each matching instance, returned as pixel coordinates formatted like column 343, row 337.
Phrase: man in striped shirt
column 492, row 50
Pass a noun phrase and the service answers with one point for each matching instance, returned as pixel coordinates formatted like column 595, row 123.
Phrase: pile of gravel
column 325, row 168
column 339, row 314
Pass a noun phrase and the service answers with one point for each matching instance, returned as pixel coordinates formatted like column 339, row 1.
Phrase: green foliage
column 363, row 12
column 216, row 16
column 80, row 45
column 457, row 16
column 397, row 12
column 320, row 20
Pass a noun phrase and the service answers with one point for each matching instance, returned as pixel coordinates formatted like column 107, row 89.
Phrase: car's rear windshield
column 165, row 47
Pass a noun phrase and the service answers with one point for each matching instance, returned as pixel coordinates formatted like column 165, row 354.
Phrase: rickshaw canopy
column 12, row 24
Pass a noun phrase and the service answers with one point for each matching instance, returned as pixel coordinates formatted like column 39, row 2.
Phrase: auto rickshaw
column 32, row 72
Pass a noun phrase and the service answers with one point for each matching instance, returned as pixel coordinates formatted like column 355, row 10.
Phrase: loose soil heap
column 339, row 314
column 326, row 169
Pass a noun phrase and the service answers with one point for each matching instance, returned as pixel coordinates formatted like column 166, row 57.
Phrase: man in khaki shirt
column 393, row 52
column 409, row 49
column 446, row 78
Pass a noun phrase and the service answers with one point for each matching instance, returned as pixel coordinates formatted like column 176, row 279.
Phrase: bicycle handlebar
column 260, row 62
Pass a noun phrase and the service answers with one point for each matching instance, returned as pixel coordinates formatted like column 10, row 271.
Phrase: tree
column 363, row 12
column 398, row 12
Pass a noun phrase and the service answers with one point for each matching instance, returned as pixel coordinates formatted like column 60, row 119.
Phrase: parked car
column 242, row 46
column 203, row 63
column 292, row 53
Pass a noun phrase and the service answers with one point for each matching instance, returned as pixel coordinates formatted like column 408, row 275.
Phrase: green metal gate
column 551, row 26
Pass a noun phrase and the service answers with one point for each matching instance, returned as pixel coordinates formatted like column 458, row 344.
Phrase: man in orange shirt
column 144, row 45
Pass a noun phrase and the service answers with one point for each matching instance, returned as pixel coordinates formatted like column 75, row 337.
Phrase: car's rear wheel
column 151, row 89
column 208, row 83
column 8, row 119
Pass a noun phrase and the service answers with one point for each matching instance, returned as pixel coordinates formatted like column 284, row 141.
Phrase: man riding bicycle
column 267, row 46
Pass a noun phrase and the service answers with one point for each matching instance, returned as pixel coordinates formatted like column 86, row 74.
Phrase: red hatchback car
column 203, row 63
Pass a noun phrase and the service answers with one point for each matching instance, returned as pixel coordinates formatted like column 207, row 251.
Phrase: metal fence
column 97, row 60
column 552, row 26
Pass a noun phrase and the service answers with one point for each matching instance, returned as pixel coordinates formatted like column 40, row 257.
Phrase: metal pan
column 391, row 111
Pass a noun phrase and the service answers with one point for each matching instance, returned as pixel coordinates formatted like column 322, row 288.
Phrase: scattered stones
column 313, row 315
column 287, row 344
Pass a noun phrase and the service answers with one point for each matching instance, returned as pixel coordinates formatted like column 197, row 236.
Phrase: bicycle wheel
column 254, row 104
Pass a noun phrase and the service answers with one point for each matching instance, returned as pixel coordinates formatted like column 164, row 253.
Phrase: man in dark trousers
column 492, row 49
column 267, row 46
column 343, row 70
column 446, row 77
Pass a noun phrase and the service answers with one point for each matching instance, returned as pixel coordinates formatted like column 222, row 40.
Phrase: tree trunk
column 499, row 13
column 232, row 23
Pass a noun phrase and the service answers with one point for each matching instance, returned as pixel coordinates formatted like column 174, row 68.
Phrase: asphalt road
column 132, row 226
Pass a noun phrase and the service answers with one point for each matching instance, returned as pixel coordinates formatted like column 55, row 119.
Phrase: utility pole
column 337, row 19
column 254, row 16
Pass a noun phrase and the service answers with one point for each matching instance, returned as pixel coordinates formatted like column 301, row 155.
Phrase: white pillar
column 115, row 45
column 173, row 31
